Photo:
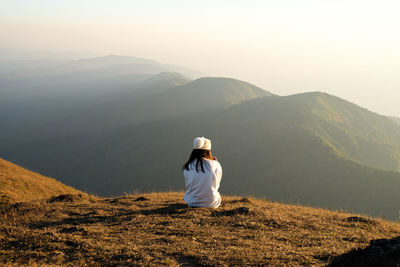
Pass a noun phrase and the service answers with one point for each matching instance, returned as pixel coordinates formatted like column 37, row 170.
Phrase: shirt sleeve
column 218, row 173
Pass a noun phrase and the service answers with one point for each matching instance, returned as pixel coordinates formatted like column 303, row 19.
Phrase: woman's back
column 202, row 187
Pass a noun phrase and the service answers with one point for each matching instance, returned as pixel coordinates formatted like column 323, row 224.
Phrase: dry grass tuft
column 159, row 229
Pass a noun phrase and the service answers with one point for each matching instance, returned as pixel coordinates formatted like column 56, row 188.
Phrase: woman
column 202, row 176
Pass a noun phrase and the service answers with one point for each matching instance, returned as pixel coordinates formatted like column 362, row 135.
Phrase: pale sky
column 347, row 48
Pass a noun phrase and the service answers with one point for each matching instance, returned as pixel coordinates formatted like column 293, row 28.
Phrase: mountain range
column 114, row 128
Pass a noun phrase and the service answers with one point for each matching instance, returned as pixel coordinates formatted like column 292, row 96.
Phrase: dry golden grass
column 159, row 229
column 18, row 184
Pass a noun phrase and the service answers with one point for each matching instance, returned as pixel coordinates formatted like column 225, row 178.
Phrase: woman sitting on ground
column 203, row 175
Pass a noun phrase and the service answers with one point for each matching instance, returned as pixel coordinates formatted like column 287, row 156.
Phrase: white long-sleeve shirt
column 202, row 187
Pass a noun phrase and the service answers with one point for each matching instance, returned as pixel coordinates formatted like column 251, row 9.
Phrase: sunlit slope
column 270, row 147
column 18, row 184
column 153, row 103
column 214, row 92
column 161, row 82
column 203, row 94
column 353, row 132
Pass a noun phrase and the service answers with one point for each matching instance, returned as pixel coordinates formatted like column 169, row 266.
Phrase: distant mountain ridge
column 396, row 119
column 63, row 89
column 353, row 132
column 112, row 63
column 8, row 67
column 8, row 54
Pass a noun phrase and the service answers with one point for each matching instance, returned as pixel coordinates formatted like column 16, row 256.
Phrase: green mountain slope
column 353, row 132
column 200, row 95
column 161, row 82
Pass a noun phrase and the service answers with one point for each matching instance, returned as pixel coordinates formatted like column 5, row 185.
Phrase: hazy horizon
column 345, row 48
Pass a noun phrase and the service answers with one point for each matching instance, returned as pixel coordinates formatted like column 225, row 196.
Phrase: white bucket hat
column 202, row 143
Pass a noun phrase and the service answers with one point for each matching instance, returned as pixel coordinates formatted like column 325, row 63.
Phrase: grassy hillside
column 18, row 184
column 204, row 94
column 353, row 132
column 159, row 229
column 211, row 91
column 161, row 82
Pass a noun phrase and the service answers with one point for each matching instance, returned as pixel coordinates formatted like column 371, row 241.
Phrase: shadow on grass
column 174, row 208
column 84, row 219
column 380, row 252
column 118, row 218
column 237, row 211
column 188, row 260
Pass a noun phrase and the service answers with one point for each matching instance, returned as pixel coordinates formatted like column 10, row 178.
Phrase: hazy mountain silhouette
column 68, row 87
column 9, row 54
column 161, row 82
column 107, row 65
column 7, row 67
column 29, row 102
column 396, row 119
column 30, row 98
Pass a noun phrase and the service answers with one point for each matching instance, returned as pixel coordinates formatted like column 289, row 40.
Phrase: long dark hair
column 198, row 155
